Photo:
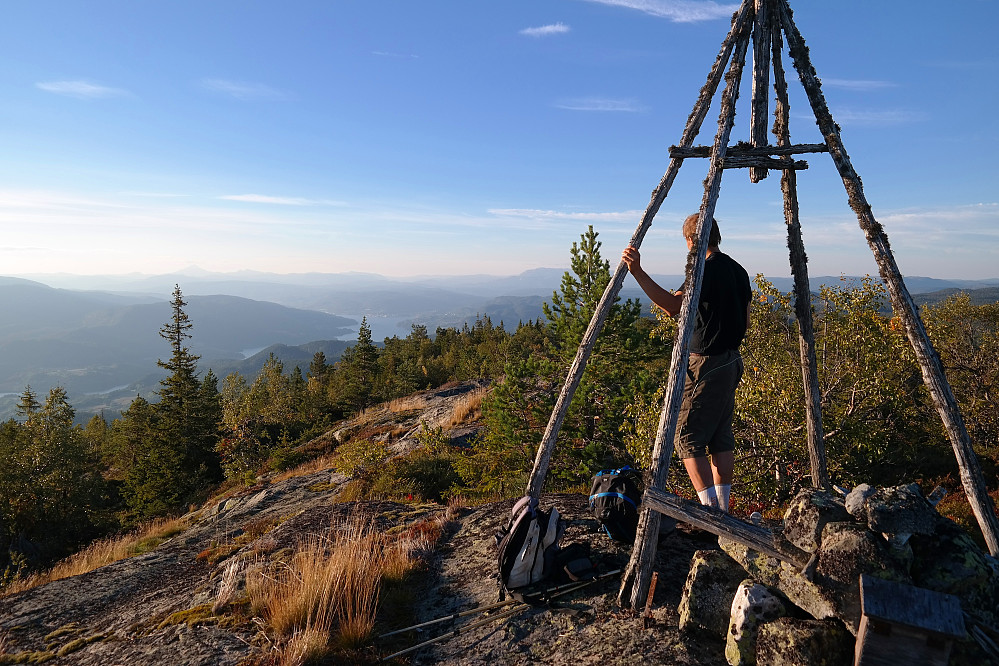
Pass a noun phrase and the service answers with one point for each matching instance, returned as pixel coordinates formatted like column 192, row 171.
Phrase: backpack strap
column 613, row 494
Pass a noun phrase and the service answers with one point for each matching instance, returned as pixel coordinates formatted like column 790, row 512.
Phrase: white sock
column 723, row 491
column 708, row 496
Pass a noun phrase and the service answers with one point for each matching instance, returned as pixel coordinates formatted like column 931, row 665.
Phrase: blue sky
column 456, row 137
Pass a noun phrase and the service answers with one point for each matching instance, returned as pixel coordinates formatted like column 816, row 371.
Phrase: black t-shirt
column 720, row 324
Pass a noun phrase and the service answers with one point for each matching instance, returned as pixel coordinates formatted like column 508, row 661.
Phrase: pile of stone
column 773, row 613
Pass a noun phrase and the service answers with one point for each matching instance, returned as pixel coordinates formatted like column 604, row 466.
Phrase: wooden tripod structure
column 765, row 23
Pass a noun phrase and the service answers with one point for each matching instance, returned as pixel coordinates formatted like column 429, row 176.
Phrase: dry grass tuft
column 326, row 598
column 228, row 585
column 407, row 404
column 103, row 552
column 467, row 408
column 306, row 646
column 315, row 465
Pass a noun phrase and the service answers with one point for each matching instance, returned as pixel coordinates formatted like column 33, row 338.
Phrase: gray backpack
column 528, row 546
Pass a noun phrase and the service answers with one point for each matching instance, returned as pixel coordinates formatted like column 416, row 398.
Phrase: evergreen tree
column 28, row 404
column 357, row 370
column 620, row 368
column 189, row 411
column 165, row 452
column 51, row 489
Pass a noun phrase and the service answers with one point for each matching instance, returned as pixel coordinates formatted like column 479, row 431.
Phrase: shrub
column 359, row 456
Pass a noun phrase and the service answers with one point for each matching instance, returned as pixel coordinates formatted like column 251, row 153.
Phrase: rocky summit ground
column 582, row 627
column 156, row 608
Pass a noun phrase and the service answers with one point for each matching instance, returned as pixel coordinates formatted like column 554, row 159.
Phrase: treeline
column 63, row 484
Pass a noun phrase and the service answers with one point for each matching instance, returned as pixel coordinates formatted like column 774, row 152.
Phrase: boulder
column 950, row 561
column 901, row 510
column 810, row 511
column 752, row 606
column 707, row 594
column 784, row 578
column 856, row 500
column 848, row 550
column 793, row 642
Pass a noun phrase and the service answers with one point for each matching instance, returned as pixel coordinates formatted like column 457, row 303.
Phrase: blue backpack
column 614, row 499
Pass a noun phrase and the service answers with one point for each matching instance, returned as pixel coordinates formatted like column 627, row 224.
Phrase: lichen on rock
column 752, row 606
column 707, row 593
column 809, row 512
column 795, row 642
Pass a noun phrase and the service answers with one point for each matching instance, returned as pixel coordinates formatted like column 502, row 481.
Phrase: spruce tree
column 356, row 372
column 165, row 452
column 189, row 409
column 590, row 436
column 28, row 404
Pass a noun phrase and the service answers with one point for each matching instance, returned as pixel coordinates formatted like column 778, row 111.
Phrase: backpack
column 528, row 546
column 614, row 499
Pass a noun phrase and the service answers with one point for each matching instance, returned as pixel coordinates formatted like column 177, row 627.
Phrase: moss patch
column 71, row 629
column 192, row 617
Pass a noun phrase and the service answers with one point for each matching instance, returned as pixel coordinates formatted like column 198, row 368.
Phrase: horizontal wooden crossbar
column 740, row 150
column 742, row 161
column 724, row 525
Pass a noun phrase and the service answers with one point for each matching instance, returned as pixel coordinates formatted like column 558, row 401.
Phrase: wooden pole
column 905, row 309
column 635, row 583
column 762, row 26
column 712, row 520
column 802, row 290
column 694, row 121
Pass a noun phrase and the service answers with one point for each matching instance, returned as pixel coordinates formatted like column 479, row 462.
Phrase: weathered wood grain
column 753, row 162
column 762, row 27
column 712, row 520
column 799, row 270
column 742, row 149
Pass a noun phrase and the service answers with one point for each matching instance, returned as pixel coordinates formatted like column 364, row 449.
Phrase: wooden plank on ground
column 712, row 520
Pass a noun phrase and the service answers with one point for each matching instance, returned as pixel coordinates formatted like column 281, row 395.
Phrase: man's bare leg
column 712, row 478
column 722, row 470
column 702, row 476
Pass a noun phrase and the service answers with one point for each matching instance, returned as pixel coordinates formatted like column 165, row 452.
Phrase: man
column 715, row 367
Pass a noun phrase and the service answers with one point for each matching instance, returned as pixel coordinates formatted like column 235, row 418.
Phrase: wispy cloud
column 678, row 11
column 80, row 89
column 279, row 201
column 242, row 90
column 553, row 215
column 870, row 117
column 600, row 104
column 545, row 30
column 857, row 84
column 980, row 218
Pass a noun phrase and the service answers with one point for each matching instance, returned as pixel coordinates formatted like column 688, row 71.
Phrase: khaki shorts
column 705, row 420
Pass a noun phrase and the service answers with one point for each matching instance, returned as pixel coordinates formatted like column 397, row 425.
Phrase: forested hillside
column 65, row 484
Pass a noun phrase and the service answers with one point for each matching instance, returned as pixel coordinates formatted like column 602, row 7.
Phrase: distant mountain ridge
column 98, row 335
column 104, row 344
